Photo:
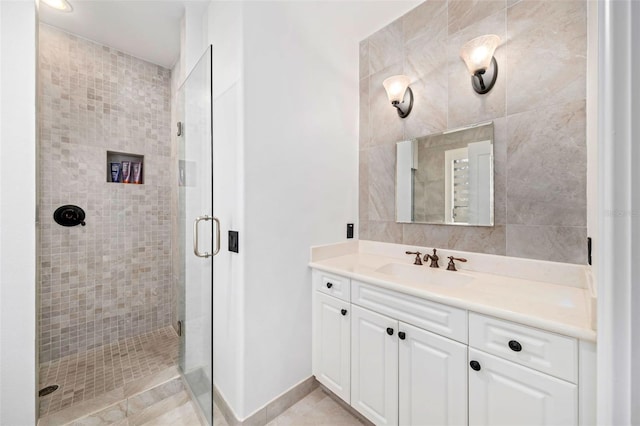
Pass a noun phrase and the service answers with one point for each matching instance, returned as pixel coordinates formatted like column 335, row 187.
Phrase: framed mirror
column 446, row 178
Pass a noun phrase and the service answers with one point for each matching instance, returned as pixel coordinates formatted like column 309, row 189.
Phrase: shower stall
column 125, row 297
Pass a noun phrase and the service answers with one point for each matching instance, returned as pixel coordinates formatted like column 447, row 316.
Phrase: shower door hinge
column 179, row 328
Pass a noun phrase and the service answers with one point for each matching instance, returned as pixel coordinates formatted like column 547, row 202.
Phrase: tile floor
column 316, row 409
column 87, row 375
column 133, row 382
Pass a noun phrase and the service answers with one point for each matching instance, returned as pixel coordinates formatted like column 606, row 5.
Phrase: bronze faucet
column 434, row 259
column 418, row 261
column 452, row 266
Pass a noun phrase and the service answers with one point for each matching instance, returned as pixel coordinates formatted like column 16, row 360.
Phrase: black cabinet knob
column 390, row 331
column 475, row 365
column 343, row 312
column 401, row 335
column 515, row 346
column 329, row 285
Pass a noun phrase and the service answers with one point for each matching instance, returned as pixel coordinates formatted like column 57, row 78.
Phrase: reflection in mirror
column 446, row 178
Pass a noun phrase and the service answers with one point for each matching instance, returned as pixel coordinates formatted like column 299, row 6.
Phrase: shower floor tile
column 86, row 375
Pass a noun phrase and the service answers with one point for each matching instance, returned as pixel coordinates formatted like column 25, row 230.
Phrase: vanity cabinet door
column 504, row 393
column 374, row 366
column 432, row 379
column 332, row 344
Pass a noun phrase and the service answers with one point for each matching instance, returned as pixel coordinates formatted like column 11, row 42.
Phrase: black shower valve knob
column 69, row 215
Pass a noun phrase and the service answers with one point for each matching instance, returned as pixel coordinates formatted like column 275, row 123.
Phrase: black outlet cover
column 349, row 230
column 233, row 241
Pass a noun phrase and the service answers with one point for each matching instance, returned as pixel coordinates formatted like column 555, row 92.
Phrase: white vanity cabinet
column 520, row 375
column 400, row 359
column 374, row 366
column 332, row 333
column 432, row 379
column 504, row 393
column 401, row 374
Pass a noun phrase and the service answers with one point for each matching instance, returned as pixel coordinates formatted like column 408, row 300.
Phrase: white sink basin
column 425, row 275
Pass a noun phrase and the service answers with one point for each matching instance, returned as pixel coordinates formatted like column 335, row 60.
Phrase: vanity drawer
column 440, row 319
column 331, row 284
column 547, row 352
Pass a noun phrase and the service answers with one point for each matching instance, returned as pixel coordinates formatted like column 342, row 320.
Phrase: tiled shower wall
column 538, row 110
column 110, row 279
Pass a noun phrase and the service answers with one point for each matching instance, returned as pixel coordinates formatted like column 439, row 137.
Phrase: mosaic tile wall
column 110, row 279
column 538, row 110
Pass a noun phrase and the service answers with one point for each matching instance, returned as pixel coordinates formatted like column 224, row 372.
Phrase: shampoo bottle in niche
column 115, row 172
column 136, row 169
column 126, row 172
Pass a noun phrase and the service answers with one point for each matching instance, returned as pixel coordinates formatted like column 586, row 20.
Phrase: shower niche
column 124, row 167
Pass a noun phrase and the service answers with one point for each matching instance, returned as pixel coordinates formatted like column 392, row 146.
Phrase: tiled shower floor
column 84, row 376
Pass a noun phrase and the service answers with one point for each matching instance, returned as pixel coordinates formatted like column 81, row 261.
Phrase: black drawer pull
column 401, row 335
column 475, row 365
column 329, row 285
column 515, row 346
column 390, row 331
column 343, row 312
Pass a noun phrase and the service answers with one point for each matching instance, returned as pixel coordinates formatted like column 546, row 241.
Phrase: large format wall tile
column 429, row 20
column 537, row 107
column 554, row 243
column 365, row 123
column 425, row 57
column 382, row 178
column 385, row 47
column 389, row 232
column 547, row 160
column 500, row 171
column 547, row 60
column 489, row 239
column 363, row 184
column 463, row 13
column 110, row 279
column 364, row 59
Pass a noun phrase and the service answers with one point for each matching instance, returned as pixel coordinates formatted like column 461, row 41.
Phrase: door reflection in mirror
column 446, row 178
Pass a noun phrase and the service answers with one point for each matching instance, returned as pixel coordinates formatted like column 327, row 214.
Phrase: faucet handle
column 418, row 261
column 452, row 266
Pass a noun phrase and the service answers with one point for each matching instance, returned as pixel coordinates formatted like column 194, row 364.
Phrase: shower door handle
column 196, row 251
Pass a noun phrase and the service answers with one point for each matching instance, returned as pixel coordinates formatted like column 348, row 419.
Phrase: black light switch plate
column 349, row 230
column 233, row 241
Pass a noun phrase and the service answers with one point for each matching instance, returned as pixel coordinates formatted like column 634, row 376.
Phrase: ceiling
column 147, row 29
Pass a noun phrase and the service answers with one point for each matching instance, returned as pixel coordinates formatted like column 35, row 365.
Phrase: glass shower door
column 199, row 232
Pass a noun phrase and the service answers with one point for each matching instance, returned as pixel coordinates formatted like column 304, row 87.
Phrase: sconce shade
column 477, row 53
column 397, row 87
column 61, row 5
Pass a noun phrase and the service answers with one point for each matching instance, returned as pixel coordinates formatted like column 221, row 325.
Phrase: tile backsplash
column 538, row 110
column 110, row 279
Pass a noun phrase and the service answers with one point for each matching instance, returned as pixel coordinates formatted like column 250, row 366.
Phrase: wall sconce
column 397, row 88
column 478, row 56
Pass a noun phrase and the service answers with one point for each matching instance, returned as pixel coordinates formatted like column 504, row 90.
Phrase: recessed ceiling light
column 61, row 5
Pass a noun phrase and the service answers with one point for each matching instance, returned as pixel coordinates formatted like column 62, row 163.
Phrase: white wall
column 18, row 212
column 285, row 176
column 226, row 33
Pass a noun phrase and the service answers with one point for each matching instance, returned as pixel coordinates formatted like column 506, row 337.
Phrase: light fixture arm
column 404, row 107
column 480, row 80
column 482, row 86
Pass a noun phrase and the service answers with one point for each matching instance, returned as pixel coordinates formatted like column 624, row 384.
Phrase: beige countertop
column 563, row 303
